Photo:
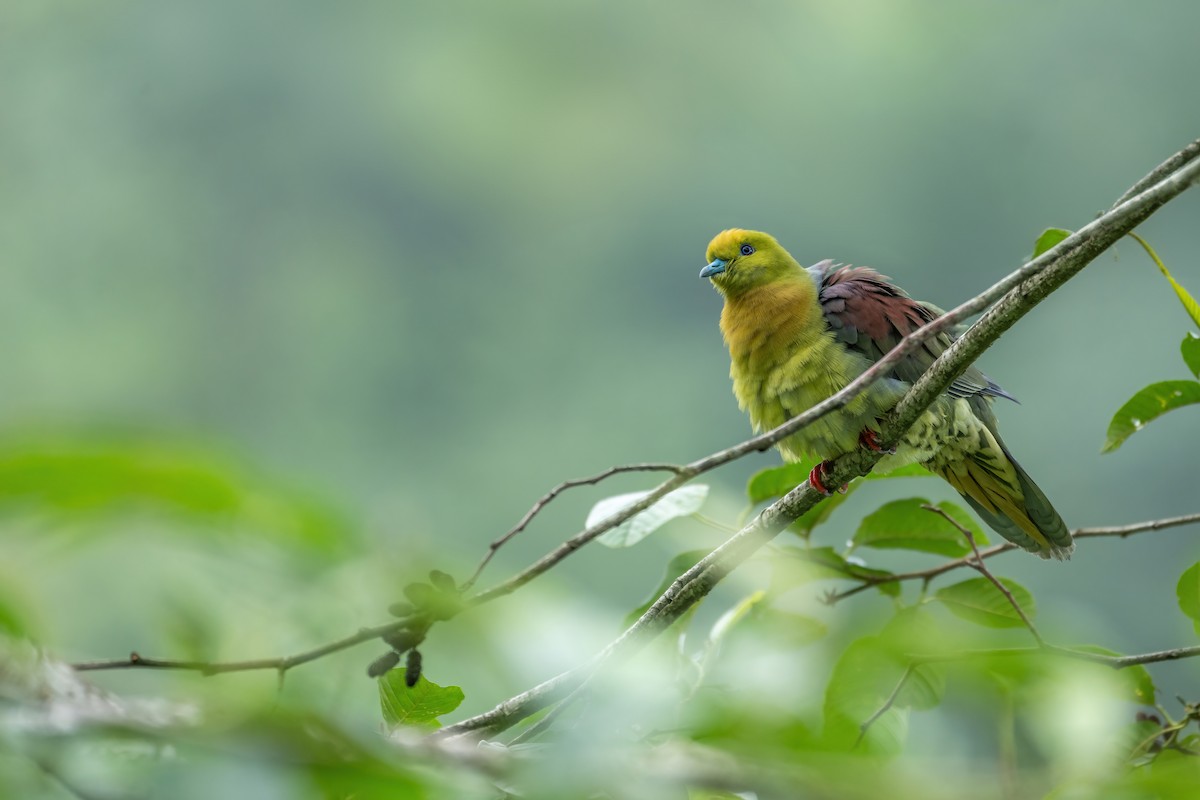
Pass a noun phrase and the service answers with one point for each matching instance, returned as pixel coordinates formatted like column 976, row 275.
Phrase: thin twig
column 887, row 704
column 714, row 524
column 1119, row 531
column 1166, row 168
column 281, row 664
column 545, row 500
column 977, row 564
column 1120, row 662
column 1115, row 662
column 1123, row 531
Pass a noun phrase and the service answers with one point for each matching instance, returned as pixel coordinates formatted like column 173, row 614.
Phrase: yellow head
column 741, row 260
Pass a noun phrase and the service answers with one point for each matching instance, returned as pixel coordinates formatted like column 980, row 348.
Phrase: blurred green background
column 420, row 261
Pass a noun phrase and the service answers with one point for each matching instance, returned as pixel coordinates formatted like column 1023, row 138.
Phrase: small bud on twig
column 412, row 669
column 401, row 609
column 442, row 581
column 383, row 664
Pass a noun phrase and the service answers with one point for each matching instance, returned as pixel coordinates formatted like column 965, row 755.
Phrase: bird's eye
column 747, row 249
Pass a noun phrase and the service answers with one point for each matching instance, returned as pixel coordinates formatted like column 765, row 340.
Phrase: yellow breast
column 784, row 361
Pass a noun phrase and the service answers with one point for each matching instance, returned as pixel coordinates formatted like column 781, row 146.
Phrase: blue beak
column 715, row 268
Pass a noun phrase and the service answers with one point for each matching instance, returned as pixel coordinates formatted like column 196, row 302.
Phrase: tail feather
column 1019, row 511
column 1041, row 513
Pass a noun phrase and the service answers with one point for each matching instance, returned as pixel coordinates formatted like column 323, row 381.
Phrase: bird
column 798, row 335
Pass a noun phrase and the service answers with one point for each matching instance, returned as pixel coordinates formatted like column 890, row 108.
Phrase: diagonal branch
column 1026, row 287
column 1163, row 170
column 1016, row 294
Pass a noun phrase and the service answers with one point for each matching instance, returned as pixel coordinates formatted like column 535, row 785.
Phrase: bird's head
column 741, row 260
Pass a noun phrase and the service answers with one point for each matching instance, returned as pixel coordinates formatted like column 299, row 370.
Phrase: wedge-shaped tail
column 1016, row 509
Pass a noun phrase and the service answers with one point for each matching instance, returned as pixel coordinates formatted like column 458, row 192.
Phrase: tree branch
column 282, row 663
column 975, row 562
column 1017, row 294
column 1119, row 531
column 1026, row 287
column 1163, row 170
column 549, row 496
column 1035, row 281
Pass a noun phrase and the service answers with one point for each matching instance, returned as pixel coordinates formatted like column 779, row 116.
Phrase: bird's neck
column 776, row 316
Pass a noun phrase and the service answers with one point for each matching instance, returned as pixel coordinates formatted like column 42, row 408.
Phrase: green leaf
column 785, row 628
column 1189, row 303
column 1191, row 742
column 1173, row 774
column 775, row 482
column 916, row 629
column 1148, row 404
column 727, row 621
column 419, row 705
column 863, row 679
column 816, row 515
column 803, row 525
column 905, row 524
column 753, row 613
column 796, row 566
column 1049, row 238
column 1137, row 739
column 1188, row 592
column 682, row 502
column 979, row 601
column 675, row 567
column 1137, row 685
column 1190, row 349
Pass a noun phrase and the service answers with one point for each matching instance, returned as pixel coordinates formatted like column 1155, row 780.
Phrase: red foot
column 816, row 479
column 870, row 440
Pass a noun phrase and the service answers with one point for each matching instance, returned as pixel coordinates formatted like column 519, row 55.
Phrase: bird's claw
column 816, row 479
column 870, row 440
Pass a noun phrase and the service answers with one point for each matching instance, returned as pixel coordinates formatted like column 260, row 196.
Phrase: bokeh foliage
column 302, row 302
